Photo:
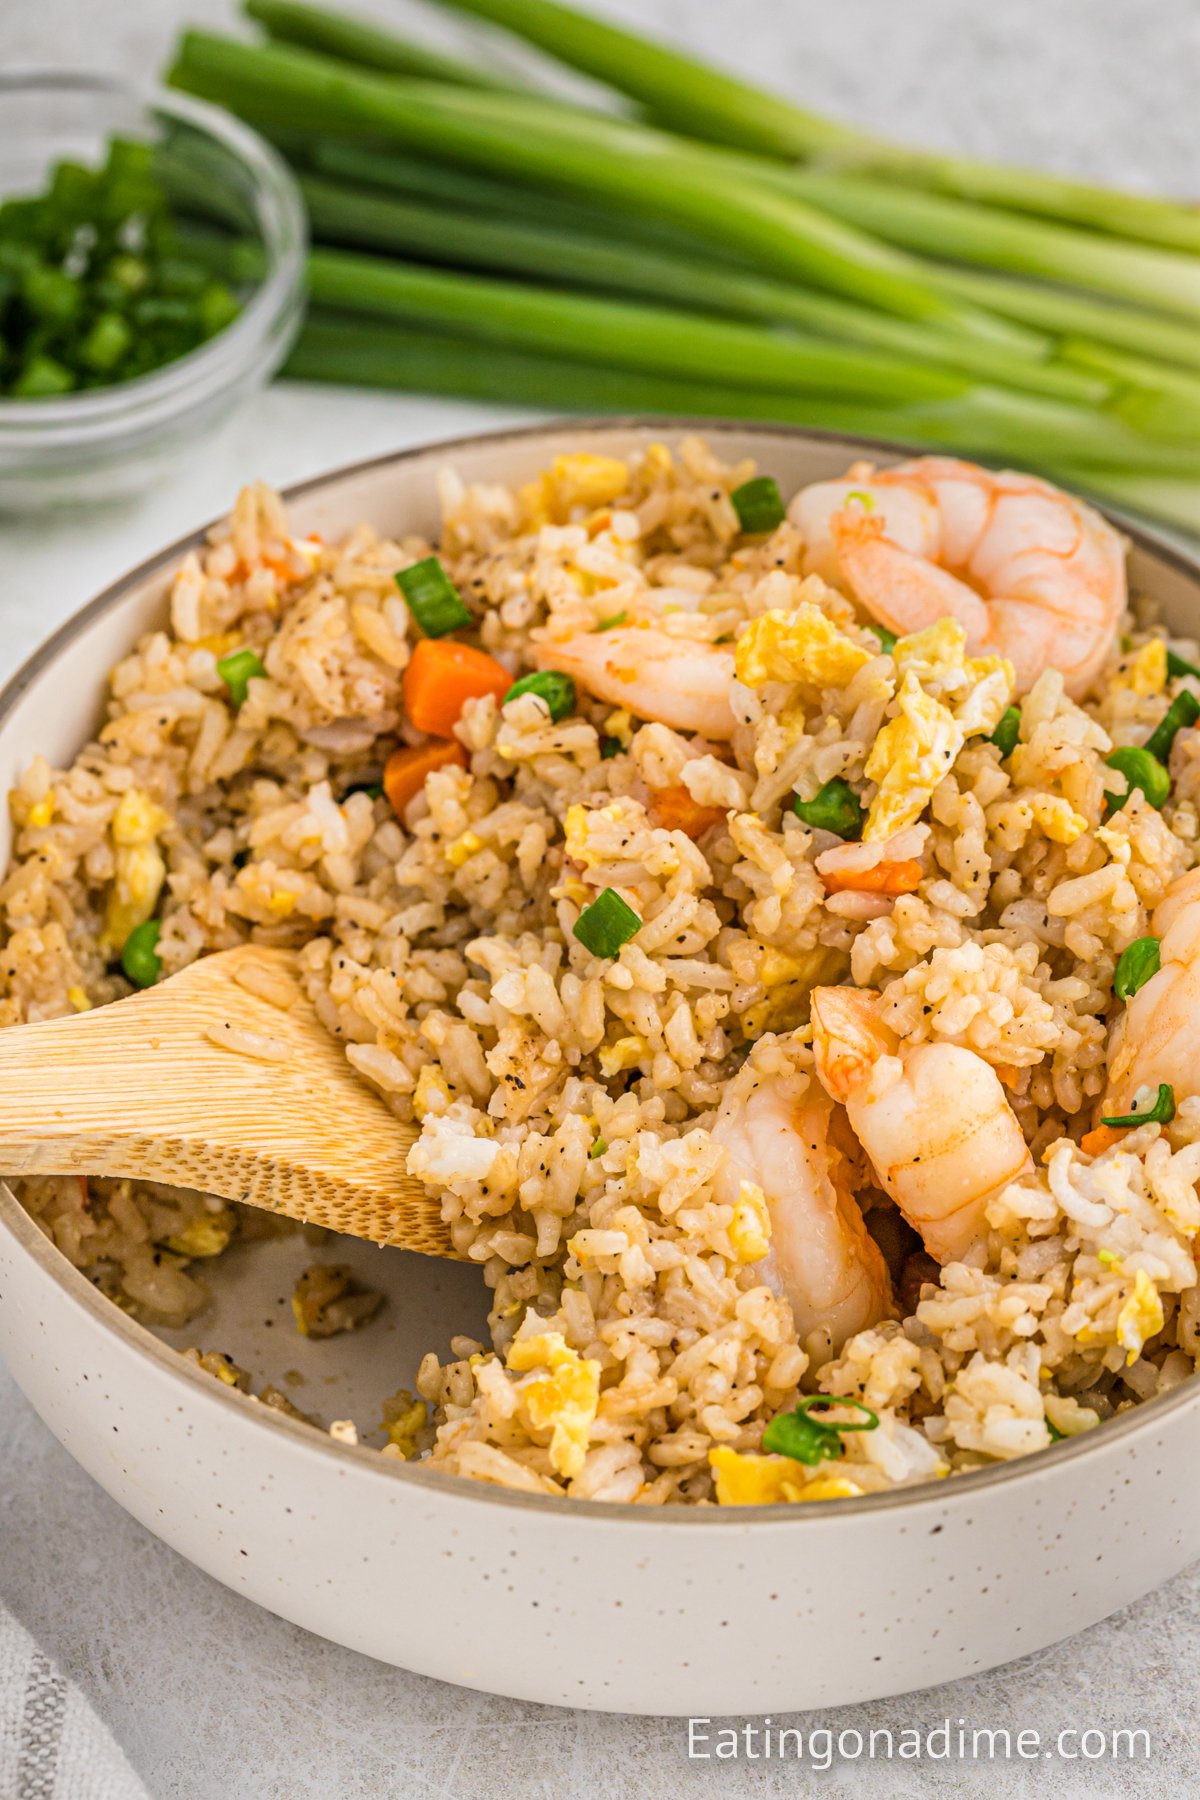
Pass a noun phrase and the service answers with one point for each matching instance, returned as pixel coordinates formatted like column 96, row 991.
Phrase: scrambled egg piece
column 1140, row 1317
column 1146, row 671
column 743, row 1479
column 1057, row 818
column 910, row 756
column 626, row 1053
column 431, row 1085
column 979, row 686
column 750, row 1227
column 463, row 848
column 206, row 1236
column 803, row 645
column 78, row 998
column 790, row 980
column 576, row 825
column 564, row 1399
column 579, row 480
column 140, row 870
column 42, row 811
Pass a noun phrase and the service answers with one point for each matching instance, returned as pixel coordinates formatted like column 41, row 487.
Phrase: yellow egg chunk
column 750, row 1227
column 803, row 645
column 563, row 1400
column 1145, row 673
column 980, row 687
column 587, row 480
column 139, row 870
column 1140, row 1317
column 745, row 1479
column 910, row 756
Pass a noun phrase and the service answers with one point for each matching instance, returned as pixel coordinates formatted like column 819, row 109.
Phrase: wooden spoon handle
column 140, row 1088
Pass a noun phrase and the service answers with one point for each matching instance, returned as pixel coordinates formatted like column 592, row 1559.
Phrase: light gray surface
column 213, row 1699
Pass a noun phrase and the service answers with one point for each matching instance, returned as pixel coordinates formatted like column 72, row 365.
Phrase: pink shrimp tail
column 849, row 1038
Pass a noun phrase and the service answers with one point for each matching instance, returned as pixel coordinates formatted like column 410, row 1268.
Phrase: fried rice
column 565, row 1100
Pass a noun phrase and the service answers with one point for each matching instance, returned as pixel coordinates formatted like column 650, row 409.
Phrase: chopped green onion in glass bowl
column 151, row 277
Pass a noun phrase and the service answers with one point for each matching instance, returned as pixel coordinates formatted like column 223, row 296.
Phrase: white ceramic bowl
column 638, row 1610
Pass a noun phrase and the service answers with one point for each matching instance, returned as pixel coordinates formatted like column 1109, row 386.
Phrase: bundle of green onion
column 712, row 250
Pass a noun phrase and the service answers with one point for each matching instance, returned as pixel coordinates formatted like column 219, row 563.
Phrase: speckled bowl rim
column 931, row 1496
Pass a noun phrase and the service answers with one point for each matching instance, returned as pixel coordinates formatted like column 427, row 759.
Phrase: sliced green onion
column 237, row 671
column 42, row 377
column 616, row 619
column 808, row 1439
column 1007, row 732
column 433, row 600
column 887, row 639
column 861, row 499
column 550, row 685
column 1141, row 769
column 1179, row 665
column 1161, row 1113
column 1135, row 965
column 1183, row 712
column 599, row 1146
column 139, row 954
column 606, row 924
column 610, row 747
column 373, row 788
column 759, row 504
column 835, row 808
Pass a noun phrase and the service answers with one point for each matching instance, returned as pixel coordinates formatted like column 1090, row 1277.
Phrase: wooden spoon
column 147, row 1088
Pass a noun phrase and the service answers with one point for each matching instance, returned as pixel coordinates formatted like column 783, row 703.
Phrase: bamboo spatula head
column 223, row 1079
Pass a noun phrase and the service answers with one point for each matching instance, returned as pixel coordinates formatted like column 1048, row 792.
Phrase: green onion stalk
column 574, row 152
column 694, row 98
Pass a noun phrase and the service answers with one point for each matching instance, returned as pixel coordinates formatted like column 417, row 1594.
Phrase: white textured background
column 213, row 1699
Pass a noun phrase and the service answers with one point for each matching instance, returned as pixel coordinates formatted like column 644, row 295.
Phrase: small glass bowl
column 108, row 442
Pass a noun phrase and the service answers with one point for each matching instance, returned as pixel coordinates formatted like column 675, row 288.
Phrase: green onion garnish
column 599, row 1146
column 1135, row 965
column 606, row 924
column 609, row 747
column 1007, row 732
column 1141, row 769
column 433, row 600
column 616, row 619
column 810, row 1440
column 550, row 685
column 373, row 788
column 1179, row 665
column 857, row 496
column 1161, row 1113
column 887, row 639
column 835, row 808
column 139, row 954
column 237, row 671
column 1183, row 711
column 759, row 504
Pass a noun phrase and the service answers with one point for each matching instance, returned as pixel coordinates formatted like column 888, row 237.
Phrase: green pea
column 835, row 808
column 139, row 956
column 1141, row 769
column 1007, row 732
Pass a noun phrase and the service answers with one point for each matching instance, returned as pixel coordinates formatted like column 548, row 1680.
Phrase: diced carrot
column 405, row 771
column 674, row 809
column 442, row 675
column 885, row 878
column 1100, row 1138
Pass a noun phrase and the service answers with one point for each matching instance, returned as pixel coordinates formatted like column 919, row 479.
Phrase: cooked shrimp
column 683, row 682
column 932, row 1118
column 1032, row 573
column 1157, row 1038
column 822, row 1257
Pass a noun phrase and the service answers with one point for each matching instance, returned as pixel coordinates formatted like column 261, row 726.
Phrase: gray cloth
column 52, row 1745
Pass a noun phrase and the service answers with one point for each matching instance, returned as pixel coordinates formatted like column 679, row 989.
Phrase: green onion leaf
column 237, row 671
column 433, row 600
column 599, row 1146
column 1161, row 1113
column 835, row 808
column 1183, row 712
column 858, row 498
column 1141, row 769
column 616, row 619
column 808, row 1439
column 887, row 639
column 759, row 504
column 606, row 924
column 609, row 747
column 42, row 377
column 139, row 954
column 1179, row 665
column 1007, row 732
column 1135, row 965
column 550, row 685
